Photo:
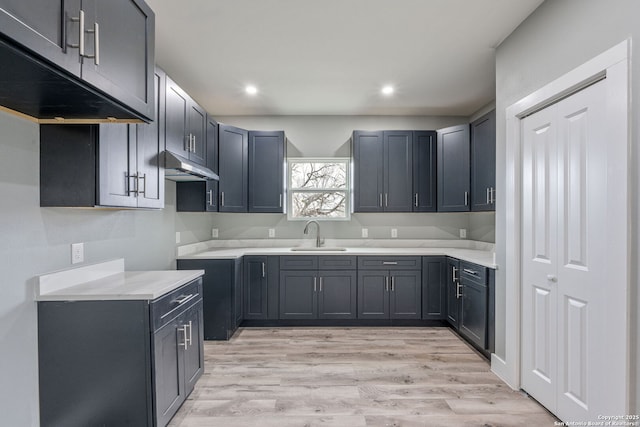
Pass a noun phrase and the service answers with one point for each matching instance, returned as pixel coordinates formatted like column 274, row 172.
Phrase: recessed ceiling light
column 251, row 89
column 387, row 90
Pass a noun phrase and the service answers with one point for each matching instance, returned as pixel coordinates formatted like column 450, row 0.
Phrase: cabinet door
column 150, row 144
column 398, row 171
column 406, row 295
column 117, row 179
column 255, row 287
column 298, row 294
column 337, row 294
column 168, row 366
column 424, row 171
column 44, row 27
column 373, row 294
column 212, row 144
column 434, row 288
column 368, row 165
column 121, row 51
column 194, row 351
column 176, row 104
column 266, row 172
column 483, row 163
column 197, row 119
column 238, row 295
column 473, row 312
column 453, row 298
column 233, row 152
column 453, row 169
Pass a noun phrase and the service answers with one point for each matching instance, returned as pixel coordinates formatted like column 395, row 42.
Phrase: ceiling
column 332, row 57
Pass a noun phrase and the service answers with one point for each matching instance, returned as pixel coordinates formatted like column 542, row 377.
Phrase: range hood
column 178, row 168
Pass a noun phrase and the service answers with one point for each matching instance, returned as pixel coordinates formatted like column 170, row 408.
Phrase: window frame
column 346, row 190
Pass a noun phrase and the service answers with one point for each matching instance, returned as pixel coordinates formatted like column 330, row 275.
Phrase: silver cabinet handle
column 488, row 196
column 320, row 284
column 96, row 44
column 280, row 200
column 466, row 198
column 194, row 144
column 314, row 284
column 222, row 198
column 381, row 200
column 80, row 20
column 263, row 270
column 386, row 283
column 466, row 270
column 492, row 197
column 393, row 284
column 454, row 271
column 144, row 183
column 183, row 299
column 389, row 262
column 386, row 199
column 128, row 179
column 210, row 198
column 416, row 200
column 185, row 342
column 458, row 290
column 190, row 339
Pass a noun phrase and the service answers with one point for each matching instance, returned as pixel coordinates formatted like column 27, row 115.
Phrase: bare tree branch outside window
column 318, row 189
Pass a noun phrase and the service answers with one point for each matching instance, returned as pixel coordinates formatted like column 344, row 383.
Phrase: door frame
column 612, row 65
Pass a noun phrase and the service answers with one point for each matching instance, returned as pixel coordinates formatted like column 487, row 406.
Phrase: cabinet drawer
column 389, row 263
column 337, row 262
column 167, row 307
column 299, row 262
column 473, row 272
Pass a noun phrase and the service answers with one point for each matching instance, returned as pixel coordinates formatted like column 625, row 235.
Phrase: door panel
column 424, row 171
column 483, row 162
column 298, row 294
column 454, row 176
column 368, row 167
column 398, row 171
column 337, row 295
column 117, row 178
column 194, row 353
column 373, row 294
column 255, row 277
column 197, row 130
column 406, row 295
column 233, row 152
column 168, row 365
column 266, row 172
column 176, row 119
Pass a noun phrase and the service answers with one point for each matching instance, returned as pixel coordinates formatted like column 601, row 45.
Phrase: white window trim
column 291, row 190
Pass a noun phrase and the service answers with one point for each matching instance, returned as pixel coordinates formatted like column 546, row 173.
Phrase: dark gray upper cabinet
column 383, row 171
column 424, row 171
column 266, row 171
column 483, row 163
column 233, row 164
column 212, row 143
column 453, row 169
column 186, row 124
column 398, row 171
column 368, row 173
column 115, row 56
column 434, row 301
column 96, row 165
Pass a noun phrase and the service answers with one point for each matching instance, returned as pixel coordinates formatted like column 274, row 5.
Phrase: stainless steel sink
column 320, row 249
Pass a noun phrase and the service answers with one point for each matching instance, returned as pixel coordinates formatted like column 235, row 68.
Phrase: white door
column 571, row 353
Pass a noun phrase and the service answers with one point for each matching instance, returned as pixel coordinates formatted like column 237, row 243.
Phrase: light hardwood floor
column 351, row 377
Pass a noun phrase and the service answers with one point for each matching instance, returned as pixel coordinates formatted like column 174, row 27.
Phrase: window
column 318, row 189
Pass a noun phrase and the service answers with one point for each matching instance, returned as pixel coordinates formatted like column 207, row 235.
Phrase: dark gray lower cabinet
column 385, row 294
column 317, row 294
column 434, row 301
column 119, row 362
column 453, row 292
column 473, row 312
column 222, row 295
column 261, row 287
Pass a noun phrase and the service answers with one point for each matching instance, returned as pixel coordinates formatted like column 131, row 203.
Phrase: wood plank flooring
column 351, row 377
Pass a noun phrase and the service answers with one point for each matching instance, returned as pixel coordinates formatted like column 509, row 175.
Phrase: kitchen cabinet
column 233, row 152
column 261, row 276
column 266, row 153
column 473, row 303
column 186, row 124
column 318, row 287
column 434, row 301
column 453, row 292
column 383, row 171
column 119, row 362
column 483, row 163
column 389, row 288
column 454, row 169
column 102, row 46
column 201, row 196
column 424, row 171
column 222, row 295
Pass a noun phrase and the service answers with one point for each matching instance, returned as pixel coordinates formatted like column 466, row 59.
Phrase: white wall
column 559, row 36
column 328, row 136
column 36, row 240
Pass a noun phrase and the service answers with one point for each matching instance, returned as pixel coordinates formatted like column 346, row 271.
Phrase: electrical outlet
column 214, row 233
column 77, row 253
column 365, row 233
column 394, row 232
column 177, row 237
column 463, row 233
column 272, row 232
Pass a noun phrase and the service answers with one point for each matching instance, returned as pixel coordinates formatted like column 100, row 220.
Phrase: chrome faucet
column 306, row 231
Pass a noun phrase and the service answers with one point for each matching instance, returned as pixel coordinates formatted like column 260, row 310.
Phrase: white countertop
column 109, row 281
column 481, row 257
